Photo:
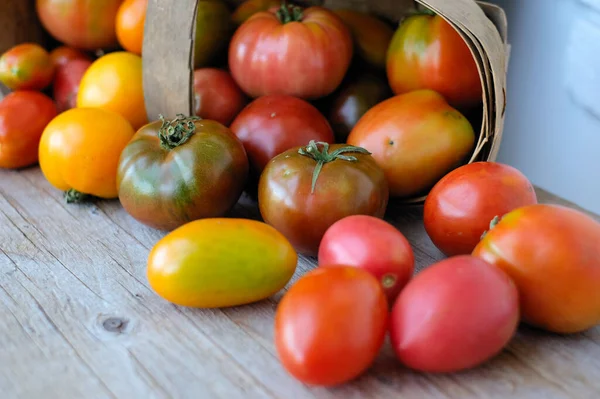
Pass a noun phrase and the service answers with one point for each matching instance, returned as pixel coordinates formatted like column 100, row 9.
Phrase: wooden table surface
column 78, row 320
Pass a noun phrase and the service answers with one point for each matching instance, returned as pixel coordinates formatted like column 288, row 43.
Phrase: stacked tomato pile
column 324, row 116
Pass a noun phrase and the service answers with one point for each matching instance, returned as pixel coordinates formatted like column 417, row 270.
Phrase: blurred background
column 552, row 130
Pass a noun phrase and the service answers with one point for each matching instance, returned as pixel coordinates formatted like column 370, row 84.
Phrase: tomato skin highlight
column 454, row 316
column 217, row 96
column 330, row 325
column 26, row 66
column 460, row 207
column 553, row 254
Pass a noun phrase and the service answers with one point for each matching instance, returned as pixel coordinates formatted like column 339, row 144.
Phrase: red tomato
column 217, row 96
column 300, row 52
column 26, row 66
column 331, row 325
column 66, row 83
column 454, row 315
column 553, row 255
column 372, row 244
column 23, row 117
column 460, row 207
column 273, row 124
column 63, row 54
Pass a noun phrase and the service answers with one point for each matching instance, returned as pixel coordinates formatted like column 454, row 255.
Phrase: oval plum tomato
column 213, row 31
column 426, row 52
column 114, row 82
column 63, row 54
column 553, row 254
column 195, row 266
column 131, row 18
column 417, row 138
column 23, row 116
column 299, row 52
column 250, row 7
column 371, row 244
column 217, row 96
column 304, row 190
column 460, row 207
column 79, row 152
column 454, row 315
column 26, row 66
column 174, row 172
column 66, row 83
column 331, row 325
column 83, row 24
column 273, row 124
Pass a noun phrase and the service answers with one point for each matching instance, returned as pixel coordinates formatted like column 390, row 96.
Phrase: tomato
column 79, row 152
column 23, row 116
column 417, row 138
column 63, row 54
column 371, row 36
column 304, row 190
column 250, row 7
column 299, row 52
column 83, row 24
column 217, row 96
column 426, row 52
column 553, row 254
column 331, row 325
column 194, row 265
column 114, row 82
column 460, row 207
column 454, row 315
column 174, row 172
column 130, row 21
column 213, row 31
column 26, row 66
column 273, row 124
column 371, row 244
column 66, row 83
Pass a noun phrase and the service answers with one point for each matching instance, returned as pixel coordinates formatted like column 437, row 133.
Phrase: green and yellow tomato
column 213, row 30
column 26, row 66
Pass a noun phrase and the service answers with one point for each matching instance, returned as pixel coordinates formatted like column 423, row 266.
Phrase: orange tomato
column 130, row 25
column 114, row 82
column 80, row 149
column 26, row 66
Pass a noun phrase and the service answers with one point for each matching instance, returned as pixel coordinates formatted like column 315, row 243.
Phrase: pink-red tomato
column 26, row 66
column 460, row 207
column 372, row 244
column 217, row 96
column 454, row 315
column 66, row 83
column 63, row 54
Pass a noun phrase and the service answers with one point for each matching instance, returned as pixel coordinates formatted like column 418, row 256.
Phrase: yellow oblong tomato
column 221, row 262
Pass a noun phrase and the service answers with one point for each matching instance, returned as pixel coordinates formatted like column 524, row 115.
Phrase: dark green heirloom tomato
column 173, row 172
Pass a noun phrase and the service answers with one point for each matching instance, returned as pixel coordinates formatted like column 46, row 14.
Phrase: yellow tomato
column 114, row 82
column 80, row 149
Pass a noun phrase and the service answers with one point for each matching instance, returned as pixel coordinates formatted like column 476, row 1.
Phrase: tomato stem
column 323, row 156
column 73, row 196
column 177, row 131
column 289, row 13
column 493, row 224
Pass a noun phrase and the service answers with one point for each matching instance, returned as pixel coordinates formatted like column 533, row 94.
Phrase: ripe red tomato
column 217, row 96
column 63, row 54
column 331, row 325
column 300, row 52
column 66, row 83
column 460, row 207
column 553, row 255
column 26, row 66
column 23, row 117
column 304, row 190
column 454, row 315
column 371, row 244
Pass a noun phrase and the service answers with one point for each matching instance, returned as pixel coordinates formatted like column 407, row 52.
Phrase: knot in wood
column 114, row 324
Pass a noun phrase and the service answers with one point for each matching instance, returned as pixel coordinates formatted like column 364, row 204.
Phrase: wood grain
column 20, row 24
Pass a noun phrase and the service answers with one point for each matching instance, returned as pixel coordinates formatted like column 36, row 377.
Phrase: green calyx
column 177, row 131
column 73, row 196
column 322, row 156
column 289, row 13
column 493, row 224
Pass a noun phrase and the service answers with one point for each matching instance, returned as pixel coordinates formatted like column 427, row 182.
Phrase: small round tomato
column 371, row 244
column 174, row 172
column 304, row 190
column 26, row 66
column 454, row 315
column 426, row 52
column 79, row 152
column 66, row 83
column 130, row 21
column 23, row 117
column 217, row 96
column 299, row 52
column 331, row 325
column 250, row 7
column 553, row 254
column 213, row 31
column 114, row 82
column 63, row 54
column 417, row 138
column 460, row 207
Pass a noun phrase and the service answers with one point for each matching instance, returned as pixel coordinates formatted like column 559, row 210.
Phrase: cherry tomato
column 553, row 254
column 217, row 96
column 460, row 207
column 63, row 54
column 331, row 325
column 26, row 66
column 23, row 116
column 454, row 315
column 130, row 21
column 66, row 83
column 250, row 7
column 372, row 244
